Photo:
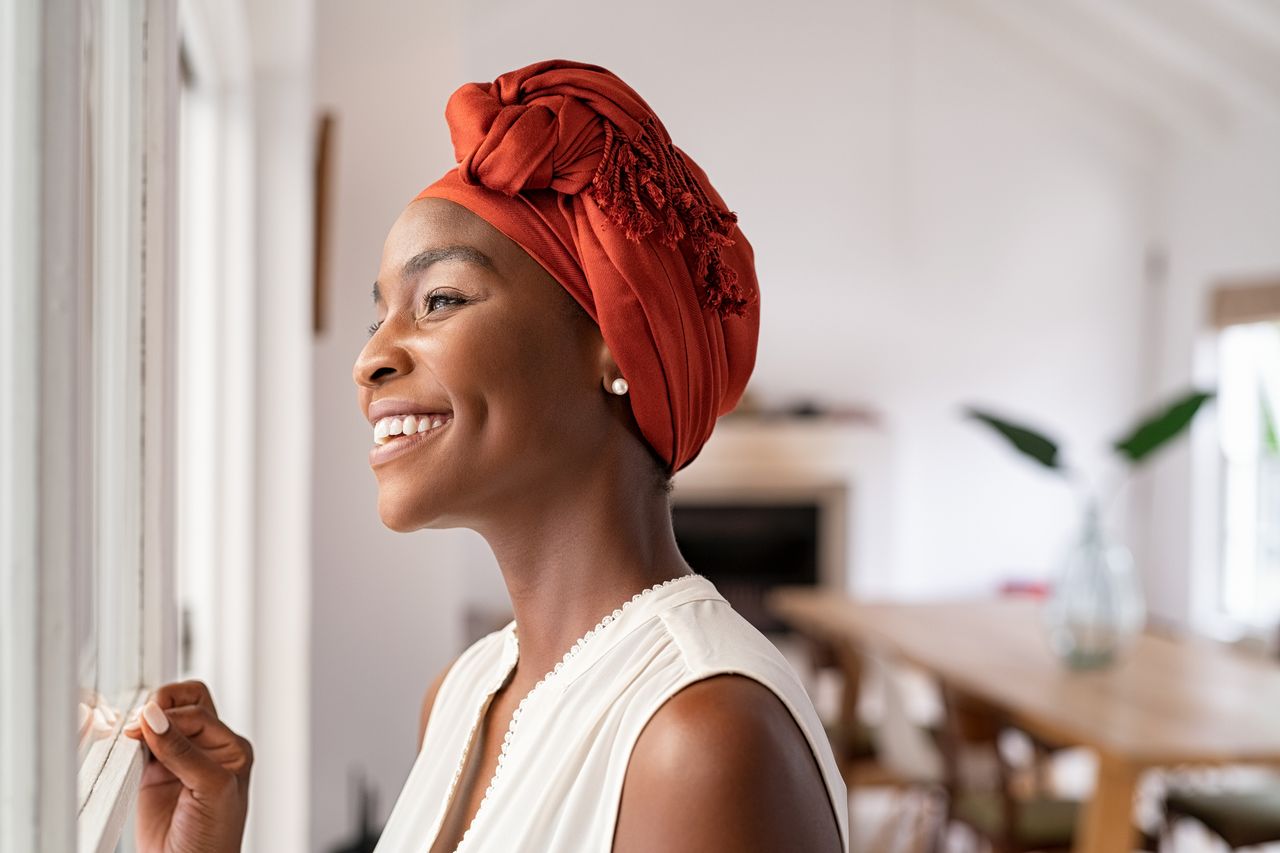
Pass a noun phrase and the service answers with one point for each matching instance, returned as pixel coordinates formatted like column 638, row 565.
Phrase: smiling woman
column 560, row 322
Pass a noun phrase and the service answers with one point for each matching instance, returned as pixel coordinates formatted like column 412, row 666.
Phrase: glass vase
column 1095, row 608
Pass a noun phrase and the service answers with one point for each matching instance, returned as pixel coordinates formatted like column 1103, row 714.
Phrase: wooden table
column 1169, row 701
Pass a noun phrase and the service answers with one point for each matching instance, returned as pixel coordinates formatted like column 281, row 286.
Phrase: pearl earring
column 619, row 386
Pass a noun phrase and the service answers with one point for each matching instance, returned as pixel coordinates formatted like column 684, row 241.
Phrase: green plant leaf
column 1040, row 448
column 1153, row 432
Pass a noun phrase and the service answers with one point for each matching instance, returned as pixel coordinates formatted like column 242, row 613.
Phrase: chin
column 399, row 524
column 406, row 512
column 400, row 512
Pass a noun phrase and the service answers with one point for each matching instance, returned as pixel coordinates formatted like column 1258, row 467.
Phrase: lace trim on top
column 582, row 641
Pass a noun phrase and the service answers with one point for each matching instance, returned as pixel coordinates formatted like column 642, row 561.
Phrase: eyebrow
column 424, row 259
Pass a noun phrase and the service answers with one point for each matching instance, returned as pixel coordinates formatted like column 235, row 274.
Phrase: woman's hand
column 195, row 787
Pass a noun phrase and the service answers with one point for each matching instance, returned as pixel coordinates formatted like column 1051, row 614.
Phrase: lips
column 401, row 425
column 391, row 446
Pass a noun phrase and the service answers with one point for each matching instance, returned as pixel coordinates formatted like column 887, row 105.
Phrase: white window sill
column 107, row 787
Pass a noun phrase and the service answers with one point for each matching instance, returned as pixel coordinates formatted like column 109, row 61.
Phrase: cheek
column 530, row 385
column 495, row 356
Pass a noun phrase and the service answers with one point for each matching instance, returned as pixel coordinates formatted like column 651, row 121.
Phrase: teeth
column 385, row 429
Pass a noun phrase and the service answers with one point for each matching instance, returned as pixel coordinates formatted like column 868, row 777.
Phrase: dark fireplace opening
column 747, row 549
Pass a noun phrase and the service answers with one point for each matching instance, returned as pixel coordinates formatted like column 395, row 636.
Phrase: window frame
column 1234, row 301
column 259, row 68
column 49, row 447
column 35, row 794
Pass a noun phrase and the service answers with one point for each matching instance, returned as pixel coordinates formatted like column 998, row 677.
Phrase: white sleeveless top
column 559, row 777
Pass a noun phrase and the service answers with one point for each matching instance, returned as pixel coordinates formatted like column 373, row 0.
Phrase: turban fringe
column 571, row 164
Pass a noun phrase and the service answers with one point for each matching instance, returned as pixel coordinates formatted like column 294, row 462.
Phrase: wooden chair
column 1240, row 818
column 908, row 759
column 850, row 738
column 990, row 808
column 874, row 757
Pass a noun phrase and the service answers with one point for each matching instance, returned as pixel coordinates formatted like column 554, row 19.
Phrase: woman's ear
column 611, row 378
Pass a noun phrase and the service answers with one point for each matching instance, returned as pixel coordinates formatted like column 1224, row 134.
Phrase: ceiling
column 1187, row 66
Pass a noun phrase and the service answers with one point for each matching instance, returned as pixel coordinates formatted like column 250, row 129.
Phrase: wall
column 937, row 220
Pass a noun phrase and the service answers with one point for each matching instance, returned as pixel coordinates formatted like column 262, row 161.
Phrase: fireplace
column 746, row 549
column 773, row 502
column 749, row 540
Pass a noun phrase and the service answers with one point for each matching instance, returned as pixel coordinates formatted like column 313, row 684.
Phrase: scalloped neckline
column 511, row 653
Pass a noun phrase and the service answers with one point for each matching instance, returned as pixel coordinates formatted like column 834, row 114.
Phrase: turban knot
column 571, row 127
column 569, row 162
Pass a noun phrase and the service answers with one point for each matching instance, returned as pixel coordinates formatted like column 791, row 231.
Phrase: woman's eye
column 433, row 301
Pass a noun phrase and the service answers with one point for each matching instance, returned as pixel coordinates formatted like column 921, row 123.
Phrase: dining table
column 1168, row 700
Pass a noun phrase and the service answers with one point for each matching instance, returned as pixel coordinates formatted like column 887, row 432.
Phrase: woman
column 561, row 319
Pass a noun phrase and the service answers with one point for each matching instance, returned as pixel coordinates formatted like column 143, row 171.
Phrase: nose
column 380, row 360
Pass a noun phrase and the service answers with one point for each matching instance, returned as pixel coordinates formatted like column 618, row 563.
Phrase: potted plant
column 1096, row 606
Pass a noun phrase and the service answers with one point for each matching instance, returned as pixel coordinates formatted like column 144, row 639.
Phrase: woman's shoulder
column 724, row 763
column 739, row 715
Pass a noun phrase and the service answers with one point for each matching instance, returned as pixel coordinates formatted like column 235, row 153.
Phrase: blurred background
column 1065, row 215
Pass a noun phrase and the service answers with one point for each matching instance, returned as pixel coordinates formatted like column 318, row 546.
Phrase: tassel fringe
column 643, row 185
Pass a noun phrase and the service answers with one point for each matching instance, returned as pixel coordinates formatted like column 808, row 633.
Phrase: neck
column 575, row 554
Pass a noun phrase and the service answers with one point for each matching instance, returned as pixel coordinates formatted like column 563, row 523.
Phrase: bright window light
column 1249, row 431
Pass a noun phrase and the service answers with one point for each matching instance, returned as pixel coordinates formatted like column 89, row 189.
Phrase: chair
column 893, row 754
column 989, row 808
column 1241, row 819
column 850, row 737
column 1245, row 817
column 907, row 754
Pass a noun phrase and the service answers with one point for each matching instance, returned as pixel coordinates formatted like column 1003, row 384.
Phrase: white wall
column 937, row 220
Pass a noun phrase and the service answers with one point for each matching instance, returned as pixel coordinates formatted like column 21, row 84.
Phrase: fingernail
column 155, row 717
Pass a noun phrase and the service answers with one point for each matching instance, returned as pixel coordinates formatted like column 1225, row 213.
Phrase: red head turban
column 570, row 163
